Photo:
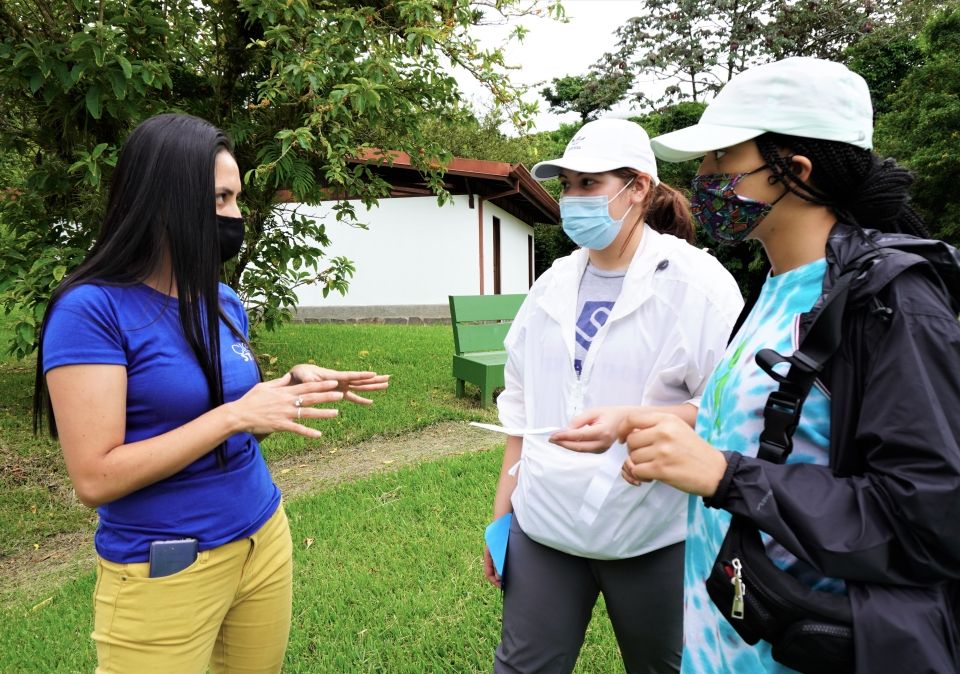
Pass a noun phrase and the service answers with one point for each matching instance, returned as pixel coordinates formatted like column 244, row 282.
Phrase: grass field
column 387, row 579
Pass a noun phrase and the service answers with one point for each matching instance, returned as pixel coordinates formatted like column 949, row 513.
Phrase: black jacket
column 885, row 515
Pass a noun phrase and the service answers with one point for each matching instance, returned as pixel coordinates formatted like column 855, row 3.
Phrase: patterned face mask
column 727, row 216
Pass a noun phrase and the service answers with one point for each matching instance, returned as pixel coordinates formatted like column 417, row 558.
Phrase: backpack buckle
column 781, row 415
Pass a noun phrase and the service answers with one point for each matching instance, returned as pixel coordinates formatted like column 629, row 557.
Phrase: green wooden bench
column 480, row 324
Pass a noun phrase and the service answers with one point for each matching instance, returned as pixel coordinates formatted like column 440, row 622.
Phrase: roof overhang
column 509, row 186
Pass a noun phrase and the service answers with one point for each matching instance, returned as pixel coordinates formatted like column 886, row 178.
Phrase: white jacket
column 666, row 332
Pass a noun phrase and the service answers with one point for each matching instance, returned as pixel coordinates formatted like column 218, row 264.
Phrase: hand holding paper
column 497, row 536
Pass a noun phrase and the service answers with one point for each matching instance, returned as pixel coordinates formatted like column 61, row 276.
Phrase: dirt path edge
column 35, row 575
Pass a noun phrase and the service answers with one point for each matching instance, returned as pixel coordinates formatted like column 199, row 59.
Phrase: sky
column 553, row 49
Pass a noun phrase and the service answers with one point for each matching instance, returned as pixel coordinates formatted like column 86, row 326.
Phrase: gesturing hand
column 662, row 447
column 347, row 382
column 276, row 405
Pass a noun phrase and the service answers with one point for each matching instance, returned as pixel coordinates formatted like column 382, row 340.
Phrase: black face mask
column 230, row 231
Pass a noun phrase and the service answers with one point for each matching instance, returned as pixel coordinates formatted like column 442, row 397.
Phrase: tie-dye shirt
column 731, row 419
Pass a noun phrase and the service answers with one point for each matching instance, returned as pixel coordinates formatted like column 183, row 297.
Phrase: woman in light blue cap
column 867, row 505
column 637, row 316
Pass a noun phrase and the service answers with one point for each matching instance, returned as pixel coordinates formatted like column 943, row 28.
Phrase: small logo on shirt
column 242, row 351
column 592, row 318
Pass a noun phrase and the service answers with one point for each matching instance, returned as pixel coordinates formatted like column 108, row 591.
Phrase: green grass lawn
column 389, row 582
column 36, row 501
column 421, row 389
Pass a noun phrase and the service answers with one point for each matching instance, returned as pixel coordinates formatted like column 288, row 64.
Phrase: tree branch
column 47, row 16
column 11, row 22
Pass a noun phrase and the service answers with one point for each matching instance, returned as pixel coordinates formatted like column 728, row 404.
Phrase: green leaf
column 26, row 334
column 93, row 101
column 76, row 72
column 118, row 83
column 98, row 150
column 21, row 56
column 125, row 65
column 78, row 40
column 63, row 74
column 59, row 272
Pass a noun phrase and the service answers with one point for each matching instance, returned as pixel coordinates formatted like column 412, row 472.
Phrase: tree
column 823, row 28
column 587, row 95
column 884, row 58
column 302, row 86
column 921, row 125
column 696, row 46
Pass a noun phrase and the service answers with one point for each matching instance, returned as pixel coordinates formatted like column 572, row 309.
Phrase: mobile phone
column 168, row 557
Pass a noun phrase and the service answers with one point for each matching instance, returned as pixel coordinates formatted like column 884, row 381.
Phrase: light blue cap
column 798, row 96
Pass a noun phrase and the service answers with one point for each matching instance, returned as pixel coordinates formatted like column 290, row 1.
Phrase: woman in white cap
column 867, row 505
column 636, row 316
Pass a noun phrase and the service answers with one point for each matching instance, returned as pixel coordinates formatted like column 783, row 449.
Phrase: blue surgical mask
column 587, row 220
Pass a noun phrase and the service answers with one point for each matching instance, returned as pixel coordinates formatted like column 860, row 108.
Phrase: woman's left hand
column 348, row 382
column 662, row 447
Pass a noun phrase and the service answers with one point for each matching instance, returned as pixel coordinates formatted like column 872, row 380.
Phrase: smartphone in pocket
column 169, row 557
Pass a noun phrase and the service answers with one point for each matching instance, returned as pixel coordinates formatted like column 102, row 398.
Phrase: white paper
column 546, row 430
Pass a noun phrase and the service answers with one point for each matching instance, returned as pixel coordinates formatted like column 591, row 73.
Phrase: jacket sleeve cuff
column 720, row 496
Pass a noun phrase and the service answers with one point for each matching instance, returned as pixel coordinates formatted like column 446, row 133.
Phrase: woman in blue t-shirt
column 159, row 417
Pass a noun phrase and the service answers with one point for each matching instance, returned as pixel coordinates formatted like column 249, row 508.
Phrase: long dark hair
column 665, row 209
column 162, row 199
column 862, row 189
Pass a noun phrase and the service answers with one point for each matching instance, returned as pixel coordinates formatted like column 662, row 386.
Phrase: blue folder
column 496, row 536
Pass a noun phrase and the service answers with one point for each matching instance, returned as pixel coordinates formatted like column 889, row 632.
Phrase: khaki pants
column 229, row 610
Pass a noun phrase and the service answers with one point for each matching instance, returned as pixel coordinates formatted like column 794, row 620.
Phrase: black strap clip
column 781, row 414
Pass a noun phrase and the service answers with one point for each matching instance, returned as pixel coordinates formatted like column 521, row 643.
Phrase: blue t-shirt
column 731, row 419
column 139, row 328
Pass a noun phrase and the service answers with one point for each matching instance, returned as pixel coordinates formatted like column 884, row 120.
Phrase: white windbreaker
column 666, row 332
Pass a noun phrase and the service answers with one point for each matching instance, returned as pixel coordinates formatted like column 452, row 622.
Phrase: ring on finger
column 299, row 410
column 298, row 402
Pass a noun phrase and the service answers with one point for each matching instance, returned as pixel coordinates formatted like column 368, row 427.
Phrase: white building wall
column 514, row 274
column 416, row 252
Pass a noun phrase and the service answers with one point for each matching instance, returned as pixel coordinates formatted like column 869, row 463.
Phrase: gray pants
column 549, row 596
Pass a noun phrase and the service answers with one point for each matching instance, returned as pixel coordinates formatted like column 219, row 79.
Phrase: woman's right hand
column 489, row 571
column 276, row 405
column 594, row 431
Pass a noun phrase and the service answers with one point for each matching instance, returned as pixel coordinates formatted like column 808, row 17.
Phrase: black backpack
column 809, row 630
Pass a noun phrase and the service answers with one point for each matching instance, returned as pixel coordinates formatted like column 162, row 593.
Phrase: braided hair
column 863, row 189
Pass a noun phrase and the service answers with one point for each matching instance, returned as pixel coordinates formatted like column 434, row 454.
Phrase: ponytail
column 666, row 209
column 669, row 213
column 863, row 189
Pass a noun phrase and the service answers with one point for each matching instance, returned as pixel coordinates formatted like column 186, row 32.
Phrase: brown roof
column 509, row 186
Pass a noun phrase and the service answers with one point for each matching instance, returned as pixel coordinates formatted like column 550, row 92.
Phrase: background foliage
column 304, row 86
column 905, row 50
column 300, row 85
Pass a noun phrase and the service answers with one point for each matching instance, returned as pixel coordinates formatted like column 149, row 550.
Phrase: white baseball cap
column 798, row 96
column 603, row 145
